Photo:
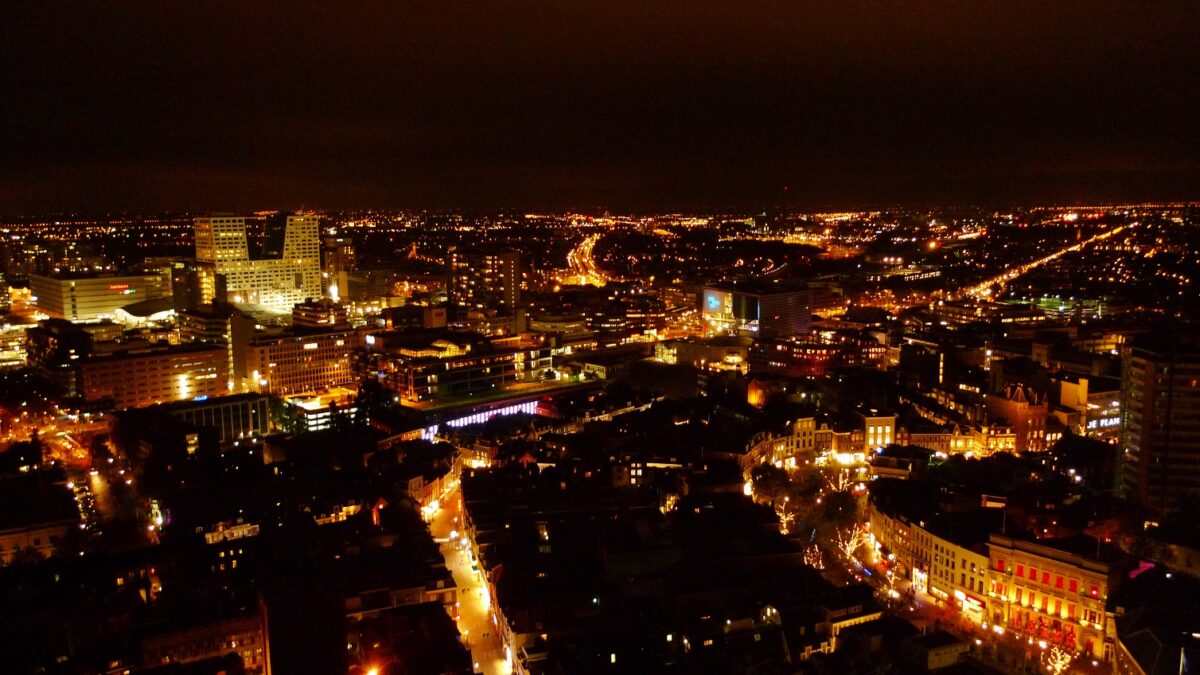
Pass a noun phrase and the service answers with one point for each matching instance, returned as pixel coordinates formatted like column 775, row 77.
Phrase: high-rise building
column 484, row 280
column 290, row 275
column 193, row 284
column 1160, row 422
column 337, row 262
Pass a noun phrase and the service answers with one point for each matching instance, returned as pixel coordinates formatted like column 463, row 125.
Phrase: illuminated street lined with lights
column 474, row 605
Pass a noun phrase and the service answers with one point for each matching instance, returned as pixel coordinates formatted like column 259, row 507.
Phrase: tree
column 769, row 482
column 284, row 417
column 1057, row 660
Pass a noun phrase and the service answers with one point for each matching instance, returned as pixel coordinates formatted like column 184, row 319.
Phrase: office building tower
column 337, row 262
column 1160, row 422
column 484, row 280
column 289, row 272
column 194, row 284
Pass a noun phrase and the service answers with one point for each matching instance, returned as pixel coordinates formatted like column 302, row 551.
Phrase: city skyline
column 535, row 338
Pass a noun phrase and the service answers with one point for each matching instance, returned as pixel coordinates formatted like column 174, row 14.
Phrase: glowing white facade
column 276, row 283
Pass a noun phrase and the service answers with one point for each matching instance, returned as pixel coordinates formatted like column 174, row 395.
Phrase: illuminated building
column 1160, row 431
column 1090, row 406
column 337, row 261
column 318, row 411
column 570, row 325
column 298, row 361
column 1025, row 410
column 144, row 375
column 432, row 365
column 194, row 284
column 89, row 297
column 233, row 418
column 479, row 280
column 1045, row 592
column 221, row 325
column 320, row 313
column 758, row 310
column 945, row 556
column 290, row 272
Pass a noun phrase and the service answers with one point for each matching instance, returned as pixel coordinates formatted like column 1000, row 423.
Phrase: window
column 1058, row 581
column 1019, row 594
column 1000, row 564
column 1074, row 586
column 1045, row 577
column 1020, row 570
column 1045, row 601
column 1033, row 574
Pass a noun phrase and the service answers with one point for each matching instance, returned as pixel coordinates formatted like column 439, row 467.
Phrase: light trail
column 582, row 262
column 984, row 289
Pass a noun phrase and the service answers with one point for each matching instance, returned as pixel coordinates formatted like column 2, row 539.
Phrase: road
column 582, row 262
column 984, row 289
column 475, row 619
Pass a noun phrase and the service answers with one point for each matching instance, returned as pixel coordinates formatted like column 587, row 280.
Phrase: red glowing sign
column 118, row 287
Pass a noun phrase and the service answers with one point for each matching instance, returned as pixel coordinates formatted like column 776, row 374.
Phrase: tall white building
column 291, row 276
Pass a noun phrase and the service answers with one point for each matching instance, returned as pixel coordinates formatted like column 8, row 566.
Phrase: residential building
column 484, row 280
column 1160, row 428
column 1025, row 410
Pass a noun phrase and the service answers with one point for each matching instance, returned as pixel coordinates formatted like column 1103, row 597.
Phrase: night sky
column 651, row 104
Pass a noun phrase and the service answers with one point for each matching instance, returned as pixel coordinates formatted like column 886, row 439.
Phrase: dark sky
column 647, row 104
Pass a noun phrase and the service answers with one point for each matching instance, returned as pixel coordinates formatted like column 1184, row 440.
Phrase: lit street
column 474, row 618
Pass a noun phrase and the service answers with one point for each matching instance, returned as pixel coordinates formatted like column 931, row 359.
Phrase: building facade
column 434, row 366
column 300, row 362
column 1025, row 410
column 1160, row 424
column 1049, row 594
column 290, row 276
column 86, row 297
column 148, row 375
column 757, row 310
column 484, row 280
column 222, row 325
